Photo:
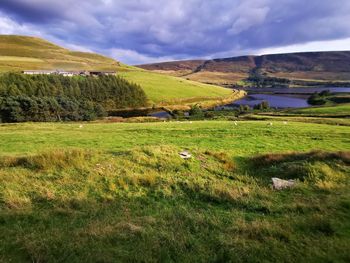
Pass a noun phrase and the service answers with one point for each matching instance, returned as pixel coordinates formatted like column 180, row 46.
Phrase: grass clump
column 270, row 159
column 324, row 170
column 58, row 159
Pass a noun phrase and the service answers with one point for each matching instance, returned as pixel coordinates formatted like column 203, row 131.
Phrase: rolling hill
column 297, row 67
column 21, row 52
column 30, row 53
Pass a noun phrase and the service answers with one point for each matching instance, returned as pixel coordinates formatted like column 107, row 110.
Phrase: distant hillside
column 21, row 52
column 24, row 53
column 312, row 66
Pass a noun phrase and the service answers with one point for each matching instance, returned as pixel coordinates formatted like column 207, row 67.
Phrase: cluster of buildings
column 69, row 73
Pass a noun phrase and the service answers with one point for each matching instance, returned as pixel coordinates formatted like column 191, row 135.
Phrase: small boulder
column 280, row 184
column 185, row 155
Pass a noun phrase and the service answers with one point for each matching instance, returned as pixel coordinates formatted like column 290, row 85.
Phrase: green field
column 338, row 114
column 341, row 109
column 27, row 53
column 244, row 140
column 163, row 89
column 119, row 192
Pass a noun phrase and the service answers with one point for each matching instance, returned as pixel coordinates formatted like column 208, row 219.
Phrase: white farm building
column 69, row 73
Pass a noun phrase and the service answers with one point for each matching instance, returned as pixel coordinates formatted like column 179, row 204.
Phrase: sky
column 147, row 31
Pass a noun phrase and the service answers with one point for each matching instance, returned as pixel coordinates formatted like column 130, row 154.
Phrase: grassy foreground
column 120, row 192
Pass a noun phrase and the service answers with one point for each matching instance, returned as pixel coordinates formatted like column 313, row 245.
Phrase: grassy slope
column 19, row 53
column 132, row 198
column 173, row 88
column 341, row 109
column 337, row 110
column 335, row 115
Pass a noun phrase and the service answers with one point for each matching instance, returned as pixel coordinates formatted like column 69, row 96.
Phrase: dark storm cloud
column 148, row 29
column 25, row 12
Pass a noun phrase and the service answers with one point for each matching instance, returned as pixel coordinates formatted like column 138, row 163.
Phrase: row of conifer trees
column 59, row 98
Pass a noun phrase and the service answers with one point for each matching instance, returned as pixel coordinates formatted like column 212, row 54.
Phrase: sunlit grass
column 101, row 192
column 148, row 204
column 163, row 89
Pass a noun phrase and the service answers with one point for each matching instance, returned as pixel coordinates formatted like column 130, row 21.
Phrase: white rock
column 185, row 155
column 280, row 184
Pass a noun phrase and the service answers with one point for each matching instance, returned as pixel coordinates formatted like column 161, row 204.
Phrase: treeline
column 44, row 109
column 320, row 84
column 319, row 98
column 261, row 80
column 56, row 98
column 326, row 97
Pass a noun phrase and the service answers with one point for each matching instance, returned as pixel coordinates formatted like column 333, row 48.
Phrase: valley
column 156, row 165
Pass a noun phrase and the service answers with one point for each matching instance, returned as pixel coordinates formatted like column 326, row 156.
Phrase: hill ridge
column 313, row 66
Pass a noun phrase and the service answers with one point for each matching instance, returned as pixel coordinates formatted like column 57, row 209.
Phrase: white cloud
column 10, row 27
column 331, row 45
column 249, row 13
column 134, row 58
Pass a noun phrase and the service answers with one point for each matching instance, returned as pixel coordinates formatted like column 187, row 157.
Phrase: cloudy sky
column 144, row 31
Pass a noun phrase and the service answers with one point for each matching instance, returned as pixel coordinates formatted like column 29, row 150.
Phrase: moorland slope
column 308, row 66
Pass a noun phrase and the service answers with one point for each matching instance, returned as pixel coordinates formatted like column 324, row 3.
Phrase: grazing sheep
column 81, row 126
column 285, row 122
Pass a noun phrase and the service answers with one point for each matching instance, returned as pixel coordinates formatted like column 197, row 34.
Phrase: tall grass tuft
column 60, row 159
column 223, row 158
column 271, row 159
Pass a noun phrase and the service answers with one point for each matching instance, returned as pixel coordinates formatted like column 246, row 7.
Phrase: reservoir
column 281, row 97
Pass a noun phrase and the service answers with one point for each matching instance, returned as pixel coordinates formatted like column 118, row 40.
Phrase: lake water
column 310, row 90
column 160, row 114
column 281, row 98
column 277, row 98
column 275, row 101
